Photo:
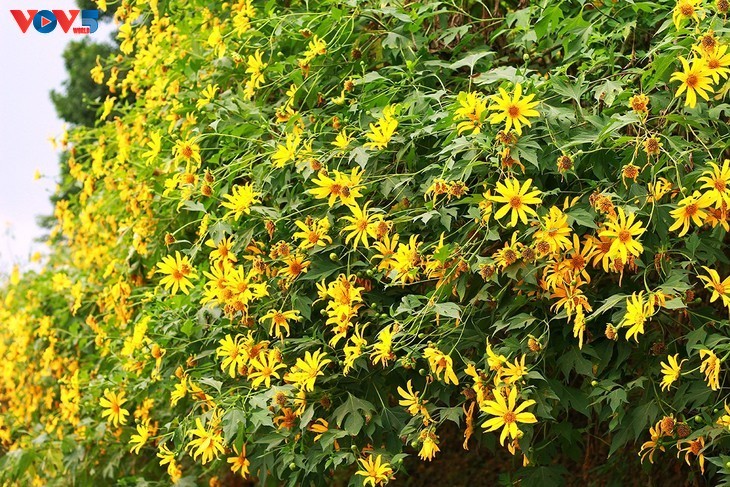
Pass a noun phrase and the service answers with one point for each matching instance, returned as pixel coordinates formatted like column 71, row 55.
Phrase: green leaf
column 451, row 414
column 608, row 91
column 544, row 476
column 616, row 398
column 188, row 327
column 448, row 309
column 231, row 422
column 368, row 78
column 470, row 60
column 209, row 381
column 573, row 91
column 608, row 304
column 360, row 156
column 354, row 423
column 353, row 406
column 675, row 303
column 582, row 217
column 193, row 206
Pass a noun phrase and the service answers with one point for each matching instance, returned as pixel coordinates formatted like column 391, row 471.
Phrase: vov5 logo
column 46, row 21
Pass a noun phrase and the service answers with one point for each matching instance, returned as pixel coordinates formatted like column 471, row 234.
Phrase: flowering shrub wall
column 304, row 237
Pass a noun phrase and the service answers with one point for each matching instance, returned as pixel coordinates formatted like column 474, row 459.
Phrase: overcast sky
column 32, row 66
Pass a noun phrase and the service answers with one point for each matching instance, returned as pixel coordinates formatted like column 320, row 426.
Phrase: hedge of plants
column 304, row 237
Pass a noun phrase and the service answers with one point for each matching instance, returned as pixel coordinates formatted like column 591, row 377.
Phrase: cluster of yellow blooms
column 250, row 246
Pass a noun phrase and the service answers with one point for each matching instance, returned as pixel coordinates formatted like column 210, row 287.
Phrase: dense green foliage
column 300, row 241
column 78, row 101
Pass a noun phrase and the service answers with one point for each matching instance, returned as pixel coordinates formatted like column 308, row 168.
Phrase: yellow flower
column 719, row 216
column 208, row 94
column 345, row 187
column 720, row 288
column 255, row 68
column 142, row 412
column 139, row 440
column 180, row 391
column 512, row 372
column 295, row 266
column 629, row 171
column 516, row 200
column 441, row 363
column 264, row 367
column 215, row 41
column 649, row 447
column 339, row 100
column 410, row 400
column 724, row 420
column 155, row 145
column 97, row 72
column 622, row 230
column 187, row 149
column 165, row 455
column 112, row 402
column 513, row 111
column 233, row 352
column 287, row 151
column 305, row 372
column 509, row 254
column 472, row 107
column 382, row 350
column 507, row 414
column 241, row 200
column 407, row 261
column 576, row 262
column 690, row 210
column 658, row 190
column 313, row 233
column 555, row 231
column 280, row 320
column 317, row 47
column 354, row 348
column 319, row 426
column 571, row 298
column 711, row 368
column 495, row 361
column 671, row 371
column 178, row 271
column 695, row 80
column 706, row 43
column 382, row 131
column 639, row 103
column 652, row 146
column 240, row 463
column 107, row 107
column 717, row 183
column 429, row 446
column 686, row 9
column 342, row 141
column 222, row 252
column 637, row 312
column 361, row 225
column 209, row 442
column 695, row 447
column 717, row 62
column 438, row 187
column 300, row 402
column 375, row 470
column 485, row 206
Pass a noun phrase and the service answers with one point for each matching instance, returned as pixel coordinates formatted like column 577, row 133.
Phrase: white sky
column 32, row 66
